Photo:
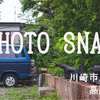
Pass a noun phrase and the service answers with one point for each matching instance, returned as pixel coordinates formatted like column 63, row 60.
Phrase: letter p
column 7, row 42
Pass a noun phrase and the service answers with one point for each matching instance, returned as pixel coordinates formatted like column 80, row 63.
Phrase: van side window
column 23, row 53
column 10, row 55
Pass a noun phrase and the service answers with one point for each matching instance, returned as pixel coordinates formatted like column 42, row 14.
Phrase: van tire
column 10, row 80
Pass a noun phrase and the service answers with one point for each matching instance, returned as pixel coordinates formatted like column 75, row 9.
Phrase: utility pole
column 15, row 13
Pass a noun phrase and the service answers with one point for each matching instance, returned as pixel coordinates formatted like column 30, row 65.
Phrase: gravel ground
column 2, row 90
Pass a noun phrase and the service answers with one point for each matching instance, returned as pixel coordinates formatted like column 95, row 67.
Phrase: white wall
column 16, row 40
column 12, row 29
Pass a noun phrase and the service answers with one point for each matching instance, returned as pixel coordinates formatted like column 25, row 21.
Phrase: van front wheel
column 10, row 80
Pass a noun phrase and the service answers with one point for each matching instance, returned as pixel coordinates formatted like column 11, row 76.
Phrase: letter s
column 65, row 38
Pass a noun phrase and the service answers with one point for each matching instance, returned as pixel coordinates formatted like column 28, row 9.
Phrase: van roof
column 14, row 45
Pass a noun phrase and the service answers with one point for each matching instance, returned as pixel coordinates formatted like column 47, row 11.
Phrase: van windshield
column 10, row 55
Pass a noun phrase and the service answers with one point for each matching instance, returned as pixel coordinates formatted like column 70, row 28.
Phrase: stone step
column 45, row 90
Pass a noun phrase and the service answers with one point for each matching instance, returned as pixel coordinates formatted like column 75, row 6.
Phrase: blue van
column 14, row 67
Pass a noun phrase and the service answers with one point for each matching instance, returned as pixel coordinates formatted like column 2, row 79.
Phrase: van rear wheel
column 10, row 80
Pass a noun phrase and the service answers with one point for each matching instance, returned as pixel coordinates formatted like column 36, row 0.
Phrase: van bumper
column 29, row 76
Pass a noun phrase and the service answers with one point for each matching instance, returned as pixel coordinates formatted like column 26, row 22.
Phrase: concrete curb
column 70, row 90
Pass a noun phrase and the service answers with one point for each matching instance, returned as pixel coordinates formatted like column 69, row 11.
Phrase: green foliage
column 68, row 15
column 44, row 85
column 1, row 1
column 57, row 71
column 27, row 92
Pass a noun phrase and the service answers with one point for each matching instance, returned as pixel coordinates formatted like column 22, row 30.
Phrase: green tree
column 1, row 1
column 67, row 15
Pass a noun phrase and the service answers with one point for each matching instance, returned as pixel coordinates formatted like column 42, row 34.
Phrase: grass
column 26, row 93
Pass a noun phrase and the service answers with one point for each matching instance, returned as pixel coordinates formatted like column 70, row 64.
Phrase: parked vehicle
column 15, row 67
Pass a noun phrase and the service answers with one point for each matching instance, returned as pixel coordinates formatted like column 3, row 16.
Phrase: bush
column 57, row 71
